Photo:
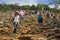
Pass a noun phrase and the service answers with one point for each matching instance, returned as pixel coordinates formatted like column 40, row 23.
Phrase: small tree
column 33, row 7
column 40, row 6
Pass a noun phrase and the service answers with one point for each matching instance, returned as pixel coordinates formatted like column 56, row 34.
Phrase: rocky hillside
column 29, row 29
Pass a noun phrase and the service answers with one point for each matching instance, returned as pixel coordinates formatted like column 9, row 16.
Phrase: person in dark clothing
column 36, row 11
column 48, row 15
column 54, row 21
column 40, row 19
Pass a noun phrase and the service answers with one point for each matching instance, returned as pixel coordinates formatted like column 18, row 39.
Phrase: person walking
column 54, row 21
column 16, row 20
column 21, row 13
column 40, row 19
column 48, row 15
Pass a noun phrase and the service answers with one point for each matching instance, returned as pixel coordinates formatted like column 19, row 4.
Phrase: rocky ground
column 29, row 29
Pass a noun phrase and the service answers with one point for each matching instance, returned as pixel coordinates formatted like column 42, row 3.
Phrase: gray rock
column 1, row 23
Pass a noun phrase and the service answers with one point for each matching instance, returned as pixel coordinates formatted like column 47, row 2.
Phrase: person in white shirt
column 16, row 21
column 21, row 13
column 38, row 13
column 43, row 11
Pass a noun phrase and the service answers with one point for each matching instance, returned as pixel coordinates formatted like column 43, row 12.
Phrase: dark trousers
column 21, row 18
column 15, row 26
column 40, row 22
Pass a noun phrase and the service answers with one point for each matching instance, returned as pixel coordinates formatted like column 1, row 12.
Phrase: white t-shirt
column 21, row 13
column 16, row 19
column 38, row 13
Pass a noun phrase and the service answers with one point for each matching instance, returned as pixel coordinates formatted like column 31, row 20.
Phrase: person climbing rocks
column 21, row 13
column 43, row 11
column 48, row 15
column 16, row 20
column 40, row 19
column 54, row 21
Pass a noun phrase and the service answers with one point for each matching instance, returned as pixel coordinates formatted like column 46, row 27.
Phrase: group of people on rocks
column 19, row 17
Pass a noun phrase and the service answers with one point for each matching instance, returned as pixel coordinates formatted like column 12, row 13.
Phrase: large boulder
column 1, row 23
